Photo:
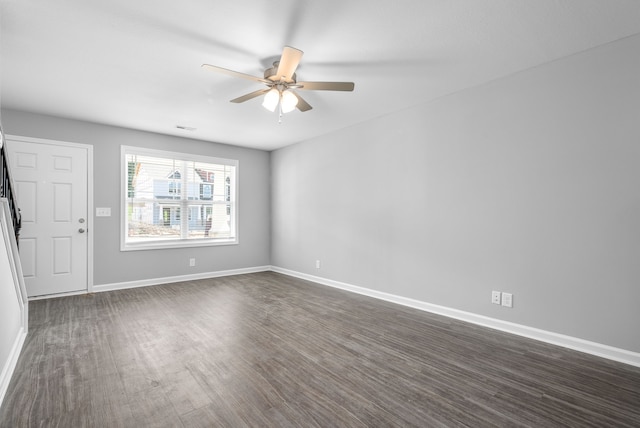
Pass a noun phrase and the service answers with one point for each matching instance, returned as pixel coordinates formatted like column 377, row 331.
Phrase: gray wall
column 528, row 184
column 113, row 266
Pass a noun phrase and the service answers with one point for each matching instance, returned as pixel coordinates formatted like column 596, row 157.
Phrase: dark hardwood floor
column 266, row 350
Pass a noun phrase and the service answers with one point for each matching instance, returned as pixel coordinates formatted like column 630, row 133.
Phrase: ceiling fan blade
column 325, row 86
column 288, row 63
column 234, row 73
column 302, row 104
column 250, row 96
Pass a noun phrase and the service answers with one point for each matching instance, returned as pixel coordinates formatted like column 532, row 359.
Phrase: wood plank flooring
column 267, row 350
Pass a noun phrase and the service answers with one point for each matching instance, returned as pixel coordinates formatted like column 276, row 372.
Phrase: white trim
column 12, row 362
column 90, row 217
column 15, row 263
column 179, row 243
column 166, row 154
column 56, row 295
column 90, row 208
column 180, row 278
column 577, row 344
column 160, row 244
column 7, row 231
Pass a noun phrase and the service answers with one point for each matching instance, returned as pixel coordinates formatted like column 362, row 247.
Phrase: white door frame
column 90, row 209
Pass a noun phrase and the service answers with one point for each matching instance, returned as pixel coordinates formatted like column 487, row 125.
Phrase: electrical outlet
column 507, row 300
column 192, row 262
column 495, row 297
column 317, row 264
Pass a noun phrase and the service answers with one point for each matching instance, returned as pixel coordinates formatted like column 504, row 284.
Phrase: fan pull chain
column 280, row 114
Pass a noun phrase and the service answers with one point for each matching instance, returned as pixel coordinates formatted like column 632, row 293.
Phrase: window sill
column 182, row 243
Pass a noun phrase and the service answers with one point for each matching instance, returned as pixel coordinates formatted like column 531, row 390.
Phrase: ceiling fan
column 281, row 82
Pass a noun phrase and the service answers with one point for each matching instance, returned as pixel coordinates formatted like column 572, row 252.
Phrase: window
column 174, row 188
column 206, row 191
column 177, row 200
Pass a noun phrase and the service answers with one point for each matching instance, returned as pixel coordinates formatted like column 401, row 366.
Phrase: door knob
column 81, row 230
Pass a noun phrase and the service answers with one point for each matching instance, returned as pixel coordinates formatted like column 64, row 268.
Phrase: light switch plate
column 103, row 212
column 507, row 300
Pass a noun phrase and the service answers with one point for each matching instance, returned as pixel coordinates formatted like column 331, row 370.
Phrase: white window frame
column 173, row 243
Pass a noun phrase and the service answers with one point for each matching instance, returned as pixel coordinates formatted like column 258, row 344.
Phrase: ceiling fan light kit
column 271, row 100
column 281, row 80
column 288, row 101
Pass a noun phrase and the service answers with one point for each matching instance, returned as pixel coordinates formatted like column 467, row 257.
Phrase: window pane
column 149, row 221
column 209, row 221
column 155, row 178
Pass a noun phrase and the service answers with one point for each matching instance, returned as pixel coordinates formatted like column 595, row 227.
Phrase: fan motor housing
column 271, row 73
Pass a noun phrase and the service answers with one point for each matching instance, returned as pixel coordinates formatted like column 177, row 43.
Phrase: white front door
column 51, row 184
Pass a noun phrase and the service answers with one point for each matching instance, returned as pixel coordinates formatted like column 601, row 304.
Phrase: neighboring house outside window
column 177, row 200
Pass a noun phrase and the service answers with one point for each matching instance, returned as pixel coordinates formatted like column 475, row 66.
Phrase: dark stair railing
column 7, row 190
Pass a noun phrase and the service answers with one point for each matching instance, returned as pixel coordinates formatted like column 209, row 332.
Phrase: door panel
column 51, row 186
column 62, row 203
column 28, row 256
column 62, row 253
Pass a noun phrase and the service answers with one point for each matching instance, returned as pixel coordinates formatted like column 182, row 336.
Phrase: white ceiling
column 137, row 63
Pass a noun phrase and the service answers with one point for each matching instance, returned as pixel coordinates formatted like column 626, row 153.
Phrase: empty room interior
column 320, row 214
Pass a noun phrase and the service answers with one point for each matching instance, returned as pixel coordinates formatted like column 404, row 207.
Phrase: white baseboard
column 12, row 361
column 53, row 296
column 593, row 348
column 180, row 278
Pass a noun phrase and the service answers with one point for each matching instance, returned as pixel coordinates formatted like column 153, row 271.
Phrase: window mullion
column 184, row 202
